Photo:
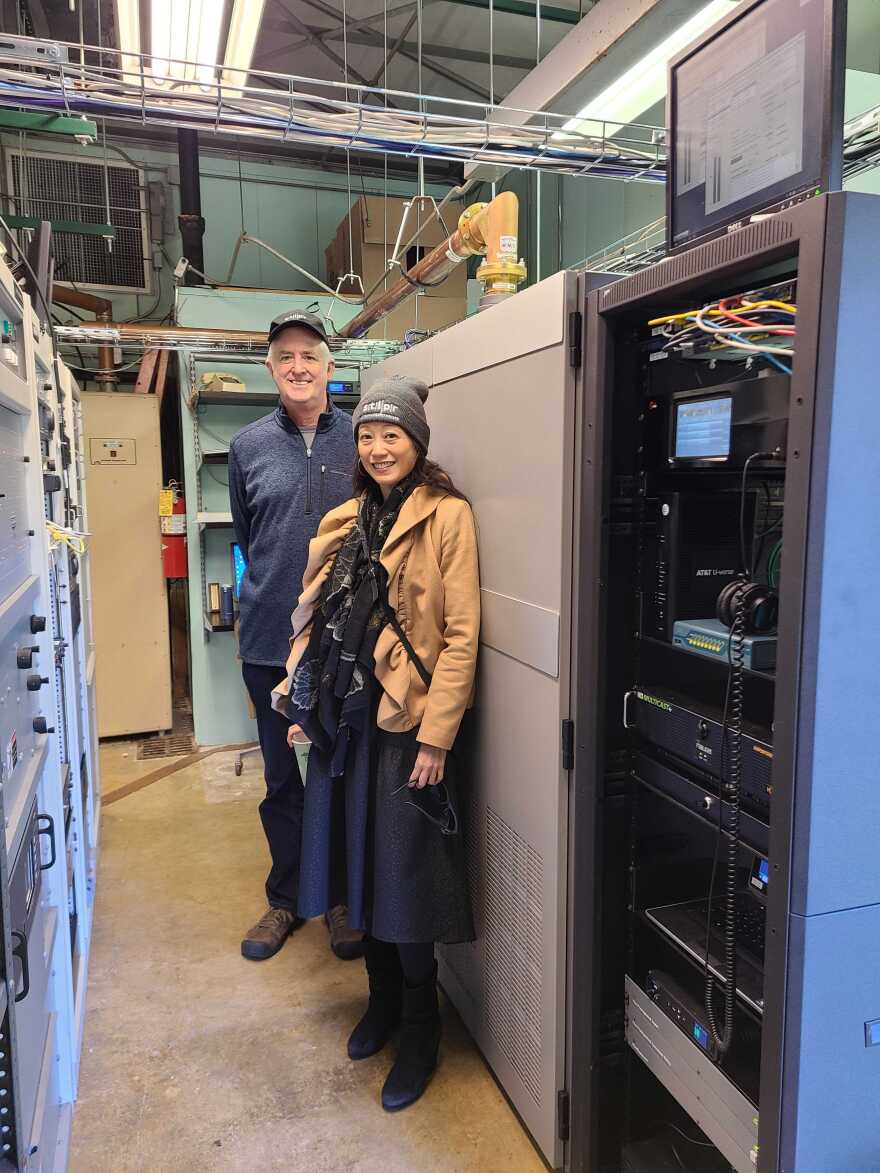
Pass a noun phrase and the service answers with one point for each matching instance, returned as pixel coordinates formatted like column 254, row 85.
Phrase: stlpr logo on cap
column 302, row 318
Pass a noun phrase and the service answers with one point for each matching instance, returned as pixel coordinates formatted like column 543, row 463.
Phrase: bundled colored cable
column 749, row 323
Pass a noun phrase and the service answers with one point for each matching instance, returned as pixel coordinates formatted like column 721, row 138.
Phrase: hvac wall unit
column 123, row 454
column 48, row 745
column 62, row 189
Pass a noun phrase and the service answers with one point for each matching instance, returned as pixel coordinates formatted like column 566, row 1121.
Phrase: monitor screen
column 752, row 117
column 239, row 566
column 702, row 428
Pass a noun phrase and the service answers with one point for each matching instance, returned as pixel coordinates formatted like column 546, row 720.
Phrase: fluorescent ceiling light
column 644, row 84
column 243, row 28
column 190, row 31
column 128, row 25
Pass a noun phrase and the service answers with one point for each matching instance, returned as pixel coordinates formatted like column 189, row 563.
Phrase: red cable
column 771, row 329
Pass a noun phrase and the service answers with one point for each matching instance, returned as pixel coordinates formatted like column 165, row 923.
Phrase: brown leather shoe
column 269, row 933
column 346, row 943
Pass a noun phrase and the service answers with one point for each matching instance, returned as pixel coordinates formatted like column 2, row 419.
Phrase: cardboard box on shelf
column 374, row 223
column 433, row 314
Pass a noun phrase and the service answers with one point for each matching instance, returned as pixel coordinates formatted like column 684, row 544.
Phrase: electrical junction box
column 112, row 450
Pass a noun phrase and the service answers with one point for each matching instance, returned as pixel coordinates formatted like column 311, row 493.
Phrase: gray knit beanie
column 398, row 400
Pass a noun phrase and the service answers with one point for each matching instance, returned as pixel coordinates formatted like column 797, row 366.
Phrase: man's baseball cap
column 298, row 318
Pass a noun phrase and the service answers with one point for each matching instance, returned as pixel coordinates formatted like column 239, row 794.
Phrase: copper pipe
column 102, row 309
column 64, row 295
column 183, row 333
column 482, row 228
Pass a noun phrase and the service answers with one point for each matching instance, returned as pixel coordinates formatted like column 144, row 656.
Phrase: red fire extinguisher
column 172, row 519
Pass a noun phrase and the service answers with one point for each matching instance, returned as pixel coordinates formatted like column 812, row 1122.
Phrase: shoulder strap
column 410, row 650
column 391, row 616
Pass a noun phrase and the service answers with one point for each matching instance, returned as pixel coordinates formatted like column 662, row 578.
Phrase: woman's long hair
column 426, row 472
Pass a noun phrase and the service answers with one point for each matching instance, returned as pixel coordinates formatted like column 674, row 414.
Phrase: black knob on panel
column 40, row 726
column 50, row 465
column 38, row 624
column 702, row 731
column 36, row 682
column 25, row 656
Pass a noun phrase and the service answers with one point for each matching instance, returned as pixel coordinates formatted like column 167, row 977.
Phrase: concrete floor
column 195, row 1059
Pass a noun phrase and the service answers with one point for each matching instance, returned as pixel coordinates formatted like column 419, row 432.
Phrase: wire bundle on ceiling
column 283, row 107
column 747, row 324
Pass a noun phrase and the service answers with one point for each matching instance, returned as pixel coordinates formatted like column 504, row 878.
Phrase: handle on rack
column 49, row 830
column 21, row 952
column 626, row 699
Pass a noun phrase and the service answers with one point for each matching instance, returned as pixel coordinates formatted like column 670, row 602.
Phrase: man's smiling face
column 301, row 366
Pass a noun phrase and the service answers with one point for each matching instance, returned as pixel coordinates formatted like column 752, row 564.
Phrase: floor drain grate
column 165, row 747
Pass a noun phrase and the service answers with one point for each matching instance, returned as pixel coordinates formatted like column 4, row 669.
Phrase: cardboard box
column 433, row 314
column 367, row 224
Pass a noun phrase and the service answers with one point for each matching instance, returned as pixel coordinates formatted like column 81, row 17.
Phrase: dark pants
column 281, row 810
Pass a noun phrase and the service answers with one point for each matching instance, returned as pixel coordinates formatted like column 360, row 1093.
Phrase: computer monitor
column 755, row 116
column 41, row 258
column 239, row 566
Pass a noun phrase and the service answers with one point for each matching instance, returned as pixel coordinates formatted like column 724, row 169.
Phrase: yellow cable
column 715, row 313
column 787, row 307
column 681, row 317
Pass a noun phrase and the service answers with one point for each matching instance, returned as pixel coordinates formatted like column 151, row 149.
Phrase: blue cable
column 771, row 358
column 781, row 365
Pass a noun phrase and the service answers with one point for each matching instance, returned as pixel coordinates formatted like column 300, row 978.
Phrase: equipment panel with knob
column 25, row 692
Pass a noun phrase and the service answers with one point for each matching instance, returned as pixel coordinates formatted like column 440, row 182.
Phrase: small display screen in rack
column 702, row 428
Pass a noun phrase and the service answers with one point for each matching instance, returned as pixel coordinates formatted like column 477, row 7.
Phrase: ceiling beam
column 37, row 13
column 389, row 55
column 352, row 26
column 450, row 52
column 322, row 48
column 522, row 8
column 428, row 63
column 435, row 67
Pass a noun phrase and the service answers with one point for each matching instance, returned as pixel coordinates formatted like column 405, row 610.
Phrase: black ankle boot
column 419, row 1043
column 386, row 998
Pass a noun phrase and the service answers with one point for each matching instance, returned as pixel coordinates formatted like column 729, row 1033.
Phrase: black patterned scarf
column 332, row 688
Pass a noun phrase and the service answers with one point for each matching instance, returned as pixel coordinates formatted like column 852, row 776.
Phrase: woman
column 380, row 674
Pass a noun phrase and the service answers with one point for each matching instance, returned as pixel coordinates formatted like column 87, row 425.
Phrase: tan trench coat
column 433, row 584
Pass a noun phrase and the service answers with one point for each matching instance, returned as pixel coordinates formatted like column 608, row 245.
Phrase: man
column 286, row 471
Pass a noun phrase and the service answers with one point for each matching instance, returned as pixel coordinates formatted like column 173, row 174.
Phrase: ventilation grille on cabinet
column 462, row 959
column 51, row 188
column 754, row 238
column 513, row 971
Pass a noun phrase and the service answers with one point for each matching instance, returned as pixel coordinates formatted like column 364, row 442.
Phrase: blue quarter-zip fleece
column 279, row 491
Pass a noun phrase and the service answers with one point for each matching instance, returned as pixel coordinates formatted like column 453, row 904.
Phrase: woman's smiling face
column 387, row 452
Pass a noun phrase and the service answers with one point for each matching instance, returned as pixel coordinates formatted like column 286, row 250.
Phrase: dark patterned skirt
column 395, row 856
